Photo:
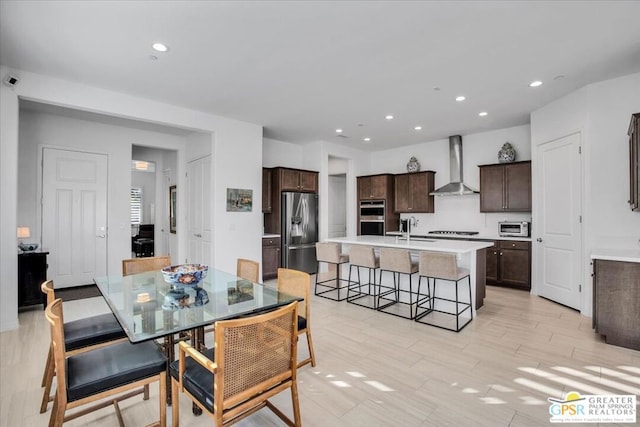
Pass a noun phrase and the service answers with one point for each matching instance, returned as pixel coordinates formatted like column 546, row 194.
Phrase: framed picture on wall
column 239, row 200
column 172, row 209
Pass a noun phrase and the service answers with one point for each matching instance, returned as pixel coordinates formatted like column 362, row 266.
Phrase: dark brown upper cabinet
column 505, row 187
column 296, row 180
column 375, row 187
column 412, row 192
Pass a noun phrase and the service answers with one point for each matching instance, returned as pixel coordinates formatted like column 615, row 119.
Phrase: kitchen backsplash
column 462, row 213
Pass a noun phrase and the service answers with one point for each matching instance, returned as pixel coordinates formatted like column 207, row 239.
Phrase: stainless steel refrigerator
column 299, row 231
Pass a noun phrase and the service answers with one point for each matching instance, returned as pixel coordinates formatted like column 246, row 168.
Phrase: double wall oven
column 372, row 217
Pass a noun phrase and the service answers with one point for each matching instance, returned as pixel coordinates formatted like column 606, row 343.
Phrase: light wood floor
column 378, row 370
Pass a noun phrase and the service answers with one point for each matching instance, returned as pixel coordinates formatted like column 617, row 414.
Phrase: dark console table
column 32, row 271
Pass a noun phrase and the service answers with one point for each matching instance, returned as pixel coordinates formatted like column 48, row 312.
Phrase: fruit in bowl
column 185, row 274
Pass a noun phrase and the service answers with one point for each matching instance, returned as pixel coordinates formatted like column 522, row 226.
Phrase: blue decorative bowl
column 28, row 247
column 185, row 274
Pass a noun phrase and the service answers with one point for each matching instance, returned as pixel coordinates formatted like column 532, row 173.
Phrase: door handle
column 198, row 235
column 539, row 240
column 102, row 236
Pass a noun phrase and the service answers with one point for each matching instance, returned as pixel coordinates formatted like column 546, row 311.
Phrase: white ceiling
column 303, row 69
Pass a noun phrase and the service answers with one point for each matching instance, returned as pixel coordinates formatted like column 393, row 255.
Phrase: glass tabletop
column 147, row 307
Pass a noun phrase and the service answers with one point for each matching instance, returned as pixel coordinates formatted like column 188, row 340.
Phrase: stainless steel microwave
column 514, row 228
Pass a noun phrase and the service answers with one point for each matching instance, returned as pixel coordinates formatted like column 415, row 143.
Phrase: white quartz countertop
column 626, row 255
column 481, row 236
column 439, row 245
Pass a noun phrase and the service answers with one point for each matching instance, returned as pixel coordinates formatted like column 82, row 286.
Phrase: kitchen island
column 469, row 254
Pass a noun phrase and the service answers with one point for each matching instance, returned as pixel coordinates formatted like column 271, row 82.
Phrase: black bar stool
column 442, row 266
column 363, row 257
column 395, row 299
column 330, row 283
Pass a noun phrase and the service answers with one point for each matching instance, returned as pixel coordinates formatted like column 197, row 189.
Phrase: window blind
column 136, row 206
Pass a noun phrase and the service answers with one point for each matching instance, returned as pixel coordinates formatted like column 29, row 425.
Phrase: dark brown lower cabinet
column 616, row 302
column 270, row 257
column 32, row 271
column 509, row 264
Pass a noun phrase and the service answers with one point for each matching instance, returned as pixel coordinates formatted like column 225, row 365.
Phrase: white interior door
column 559, row 241
column 74, row 215
column 199, row 222
column 337, row 206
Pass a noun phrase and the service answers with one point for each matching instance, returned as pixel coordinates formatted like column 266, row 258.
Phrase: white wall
column 38, row 130
column 280, row 153
column 236, row 144
column 458, row 212
column 601, row 112
column 611, row 104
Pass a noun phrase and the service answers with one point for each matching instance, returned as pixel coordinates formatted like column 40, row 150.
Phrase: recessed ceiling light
column 367, row 139
column 338, row 130
column 160, row 47
column 418, row 128
column 535, row 83
column 388, row 117
column 482, row 113
column 461, row 98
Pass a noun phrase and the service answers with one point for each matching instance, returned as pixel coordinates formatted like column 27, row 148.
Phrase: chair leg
column 411, row 315
column 349, row 287
column 175, row 408
column 296, row 404
column 57, row 413
column 457, row 310
column 162, row 399
column 47, row 367
column 48, row 380
column 470, row 300
column 310, row 344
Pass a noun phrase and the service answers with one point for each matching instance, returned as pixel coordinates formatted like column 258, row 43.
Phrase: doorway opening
column 337, row 202
column 152, row 175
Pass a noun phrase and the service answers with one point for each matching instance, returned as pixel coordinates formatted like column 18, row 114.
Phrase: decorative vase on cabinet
column 507, row 153
column 413, row 165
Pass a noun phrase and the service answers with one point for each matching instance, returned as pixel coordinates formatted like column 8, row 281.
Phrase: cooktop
column 459, row 233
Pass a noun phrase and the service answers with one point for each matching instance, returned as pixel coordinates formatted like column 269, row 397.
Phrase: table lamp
column 25, row 233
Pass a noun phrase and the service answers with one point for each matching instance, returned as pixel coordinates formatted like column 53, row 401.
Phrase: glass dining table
column 149, row 308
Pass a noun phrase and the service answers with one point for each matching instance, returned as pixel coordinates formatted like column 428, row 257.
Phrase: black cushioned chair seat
column 111, row 366
column 302, row 323
column 92, row 330
column 197, row 379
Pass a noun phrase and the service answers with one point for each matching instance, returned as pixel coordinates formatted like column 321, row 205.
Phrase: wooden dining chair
column 79, row 336
column 140, row 265
column 103, row 376
column 298, row 283
column 248, row 269
column 254, row 359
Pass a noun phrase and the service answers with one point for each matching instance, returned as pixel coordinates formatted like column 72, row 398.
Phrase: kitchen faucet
column 411, row 222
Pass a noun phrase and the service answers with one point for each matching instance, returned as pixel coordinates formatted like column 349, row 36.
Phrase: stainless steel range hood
column 456, row 187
